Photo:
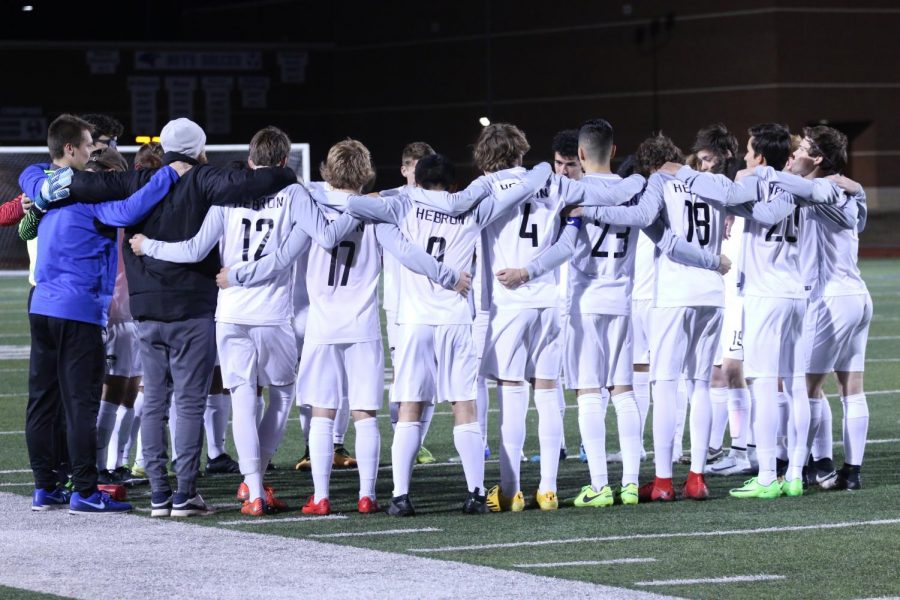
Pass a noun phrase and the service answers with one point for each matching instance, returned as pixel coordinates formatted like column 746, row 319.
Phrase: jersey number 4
column 525, row 232
column 248, row 227
column 348, row 262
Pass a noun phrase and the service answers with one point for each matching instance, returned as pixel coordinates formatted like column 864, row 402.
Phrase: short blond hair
column 348, row 166
column 500, row 146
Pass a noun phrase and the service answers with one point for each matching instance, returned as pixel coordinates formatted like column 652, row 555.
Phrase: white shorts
column 480, row 331
column 731, row 343
column 330, row 373
column 773, row 337
column 522, row 344
column 123, row 350
column 435, row 362
column 598, row 351
column 393, row 330
column 640, row 325
column 684, row 341
column 836, row 330
column 256, row 355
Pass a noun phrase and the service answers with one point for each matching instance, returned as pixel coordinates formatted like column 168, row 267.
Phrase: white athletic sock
column 274, row 422
column 681, row 406
column 395, row 414
column 561, row 398
column 305, row 416
column 642, row 398
column 121, row 432
column 425, row 420
column 481, row 405
column 823, row 443
column 592, row 425
column 513, row 400
column 784, row 426
column 215, row 420
column 134, row 431
column 701, row 421
column 467, row 439
column 856, row 426
column 628, row 419
column 403, row 454
column 765, row 396
column 341, row 422
column 246, row 437
column 321, row 454
column 106, row 420
column 798, row 451
column 260, row 408
column 739, row 416
column 665, row 421
column 815, row 419
column 751, row 426
column 718, row 398
column 549, row 434
column 368, row 450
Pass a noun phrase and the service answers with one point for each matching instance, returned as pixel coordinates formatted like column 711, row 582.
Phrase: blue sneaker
column 487, row 452
column 160, row 504
column 97, row 503
column 582, row 455
column 43, row 500
column 182, row 506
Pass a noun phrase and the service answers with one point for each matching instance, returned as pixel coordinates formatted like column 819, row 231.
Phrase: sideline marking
column 735, row 579
column 380, row 532
column 286, row 520
column 586, row 563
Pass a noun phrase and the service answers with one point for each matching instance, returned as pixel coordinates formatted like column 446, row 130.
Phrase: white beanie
column 184, row 137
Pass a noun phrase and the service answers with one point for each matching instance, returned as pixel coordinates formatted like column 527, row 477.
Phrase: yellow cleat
column 497, row 502
column 547, row 500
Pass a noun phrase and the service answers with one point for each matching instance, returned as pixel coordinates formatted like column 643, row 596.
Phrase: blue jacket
column 77, row 255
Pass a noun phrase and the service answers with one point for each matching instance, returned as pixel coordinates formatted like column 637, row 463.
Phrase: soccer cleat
column 116, row 492
column 368, row 506
column 342, row 458
column 522, row 457
column 96, row 504
column 660, row 490
column 222, row 464
column 792, row 487
column 487, row 452
column 475, row 503
column 582, row 455
column 125, row 476
column 401, row 507
column 424, row 456
column 547, row 500
column 695, row 487
column 243, row 492
column 322, row 507
column 781, row 467
column 714, row 454
column 106, row 477
column 42, row 500
column 682, row 459
column 497, row 502
column 629, row 494
column 271, row 467
column 753, row 489
column 735, row 463
column 139, row 472
column 257, row 508
column 562, row 456
column 848, row 478
column 823, row 473
column 304, row 464
column 160, row 504
column 588, row 497
column 182, row 506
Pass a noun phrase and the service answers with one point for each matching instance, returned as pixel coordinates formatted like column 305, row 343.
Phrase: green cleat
column 588, row 497
column 753, row 489
column 792, row 488
column 629, row 494
column 139, row 471
column 424, row 456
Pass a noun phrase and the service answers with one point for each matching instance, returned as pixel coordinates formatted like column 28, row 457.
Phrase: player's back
column 343, row 282
column 839, row 255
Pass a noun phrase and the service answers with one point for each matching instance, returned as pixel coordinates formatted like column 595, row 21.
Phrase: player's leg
column 365, row 361
column 793, row 373
column 215, row 421
column 620, row 357
column 544, row 361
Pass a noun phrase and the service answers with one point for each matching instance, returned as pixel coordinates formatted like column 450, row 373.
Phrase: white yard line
column 13, row 471
column 30, row 484
column 658, row 536
column 285, row 520
column 734, row 579
column 378, row 532
column 586, row 563
column 882, row 360
column 881, row 338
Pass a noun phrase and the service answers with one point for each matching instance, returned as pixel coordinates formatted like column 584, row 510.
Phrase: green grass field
column 823, row 545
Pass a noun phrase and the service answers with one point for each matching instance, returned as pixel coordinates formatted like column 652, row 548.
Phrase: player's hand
column 26, row 203
column 743, row 173
column 137, row 242
column 845, row 183
column 512, row 278
column 729, row 223
column 724, row 264
column 222, row 278
column 573, row 211
column 670, row 168
column 181, row 167
column 464, row 284
column 54, row 188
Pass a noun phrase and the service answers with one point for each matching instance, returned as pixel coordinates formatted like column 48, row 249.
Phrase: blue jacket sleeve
column 32, row 178
column 137, row 206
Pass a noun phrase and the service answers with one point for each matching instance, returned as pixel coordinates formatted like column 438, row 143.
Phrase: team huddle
column 732, row 292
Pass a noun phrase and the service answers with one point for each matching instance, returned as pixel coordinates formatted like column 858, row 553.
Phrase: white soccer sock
column 274, row 423
column 106, row 420
column 718, row 398
column 856, row 426
column 681, row 406
column 513, row 400
column 305, row 416
column 549, row 434
column 739, row 416
column 321, row 454
column 823, row 443
column 665, row 420
column 341, row 422
column 395, row 414
column 260, row 408
column 467, row 439
column 592, row 425
column 121, row 433
column 765, row 396
column 784, row 425
column 481, row 405
column 815, row 419
column 425, row 420
column 642, row 398
column 701, row 420
column 751, row 426
column 628, row 419
column 134, row 430
column 368, row 450
column 215, row 420
column 561, row 398
column 403, row 454
column 798, row 438
column 246, row 437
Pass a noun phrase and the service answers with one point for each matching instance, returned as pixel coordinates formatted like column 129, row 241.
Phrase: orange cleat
column 243, row 492
column 322, row 507
column 368, row 505
column 660, row 490
column 257, row 508
column 695, row 487
column 272, row 501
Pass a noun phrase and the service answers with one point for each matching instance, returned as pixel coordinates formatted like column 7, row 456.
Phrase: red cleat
column 272, row 501
column 660, row 490
column 368, row 506
column 695, row 487
column 243, row 492
column 322, row 507
column 115, row 491
column 257, row 508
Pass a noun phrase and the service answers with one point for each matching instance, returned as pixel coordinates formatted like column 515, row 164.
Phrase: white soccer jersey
column 839, row 252
column 391, row 277
column 643, row 269
column 732, row 249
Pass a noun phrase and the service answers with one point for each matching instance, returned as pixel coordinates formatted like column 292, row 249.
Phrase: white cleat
column 735, row 463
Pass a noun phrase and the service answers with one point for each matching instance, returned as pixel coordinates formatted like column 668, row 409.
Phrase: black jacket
column 164, row 291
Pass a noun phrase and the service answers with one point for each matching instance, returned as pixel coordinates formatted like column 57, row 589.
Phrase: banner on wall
column 149, row 60
column 181, row 96
column 218, row 104
column 143, row 104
